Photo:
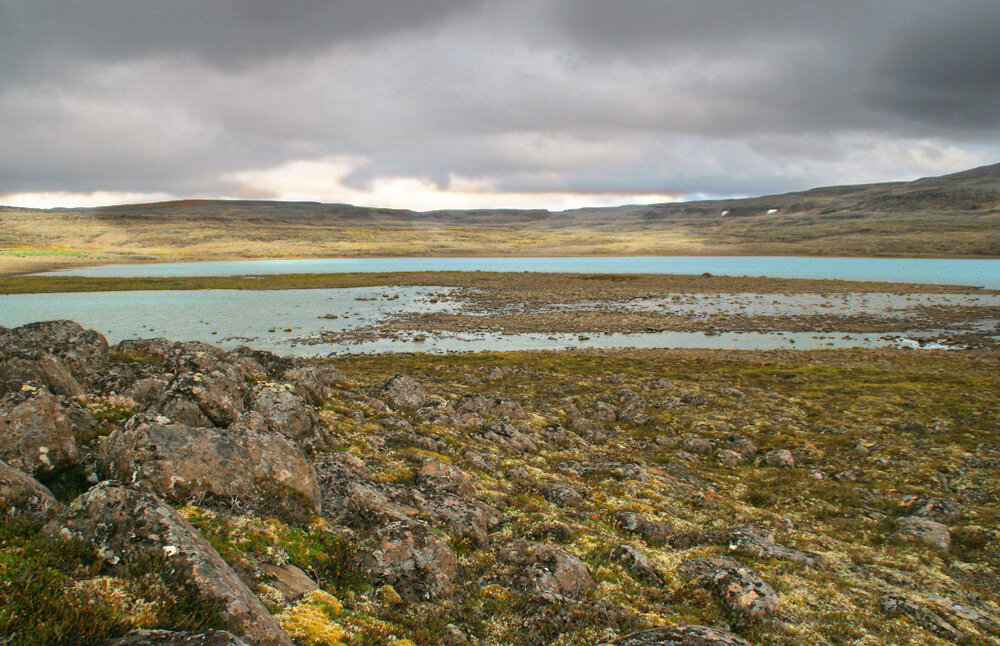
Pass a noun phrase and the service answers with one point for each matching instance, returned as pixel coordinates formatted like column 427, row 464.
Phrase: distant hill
column 956, row 215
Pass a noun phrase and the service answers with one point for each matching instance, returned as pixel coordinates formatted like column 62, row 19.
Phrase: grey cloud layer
column 675, row 95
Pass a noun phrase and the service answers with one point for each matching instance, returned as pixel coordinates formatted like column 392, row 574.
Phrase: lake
column 302, row 321
column 978, row 273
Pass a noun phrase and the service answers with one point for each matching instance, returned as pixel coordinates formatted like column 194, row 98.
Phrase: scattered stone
column 896, row 605
column 547, row 569
column 637, row 563
column 779, row 459
column 698, row 445
column 740, row 591
column 922, row 530
column 604, row 413
column 144, row 637
column 403, row 392
column 691, row 635
column 654, row 532
column 22, row 495
column 942, row 510
column 749, row 540
column 411, row 558
column 289, row 580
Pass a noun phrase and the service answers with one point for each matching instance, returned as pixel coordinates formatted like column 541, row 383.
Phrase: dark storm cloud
column 697, row 96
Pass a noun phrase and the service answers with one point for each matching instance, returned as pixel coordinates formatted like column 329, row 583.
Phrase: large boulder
column 411, row 558
column 36, row 436
column 240, row 465
column 286, row 413
column 917, row 529
column 740, row 591
column 691, row 635
column 22, row 495
column 45, row 370
column 194, row 398
column 403, row 392
column 84, row 352
column 128, row 525
column 546, row 569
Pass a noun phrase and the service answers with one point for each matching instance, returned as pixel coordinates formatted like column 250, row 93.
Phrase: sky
column 486, row 104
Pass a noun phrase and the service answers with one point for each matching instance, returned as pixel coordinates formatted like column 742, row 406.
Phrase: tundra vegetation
column 156, row 492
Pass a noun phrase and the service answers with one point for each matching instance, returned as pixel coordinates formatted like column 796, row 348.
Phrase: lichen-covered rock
column 548, row 615
column 82, row 351
column 654, row 532
column 637, row 563
column 22, row 495
column 740, row 591
column 172, row 638
column 411, row 558
column 916, row 529
column 286, row 413
column 46, row 370
column 742, row 445
column 750, row 540
column 237, row 466
column 218, row 396
column 778, row 459
column 680, row 636
column 36, row 436
column 128, row 525
column 611, row 469
column 313, row 383
column 942, row 510
column 506, row 434
column 490, row 406
column 561, row 494
column 547, row 569
column 440, row 476
column 403, row 392
column 896, row 605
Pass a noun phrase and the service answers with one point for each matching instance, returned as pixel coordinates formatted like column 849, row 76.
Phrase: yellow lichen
column 311, row 621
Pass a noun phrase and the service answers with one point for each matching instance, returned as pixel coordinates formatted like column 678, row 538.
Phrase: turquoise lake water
column 979, row 273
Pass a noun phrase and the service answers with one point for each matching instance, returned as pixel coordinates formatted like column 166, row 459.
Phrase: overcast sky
column 451, row 104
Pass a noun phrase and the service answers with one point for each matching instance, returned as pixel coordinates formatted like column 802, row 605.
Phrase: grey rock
column 233, row 467
column 637, row 563
column 915, row 529
column 778, row 459
column 547, row 569
column 36, row 436
column 286, row 413
column 171, row 638
column 126, row 525
column 749, row 540
column 403, row 392
column 22, row 495
column 691, row 635
column 411, row 558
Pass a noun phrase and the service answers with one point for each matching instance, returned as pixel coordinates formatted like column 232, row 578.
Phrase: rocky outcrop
column 286, row 413
column 411, row 558
column 680, row 636
column 740, row 591
column 545, row 569
column 22, row 495
column 236, row 467
column 172, row 638
column 402, row 392
column 83, row 352
column 749, row 540
column 128, row 525
column 916, row 529
column 35, row 434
